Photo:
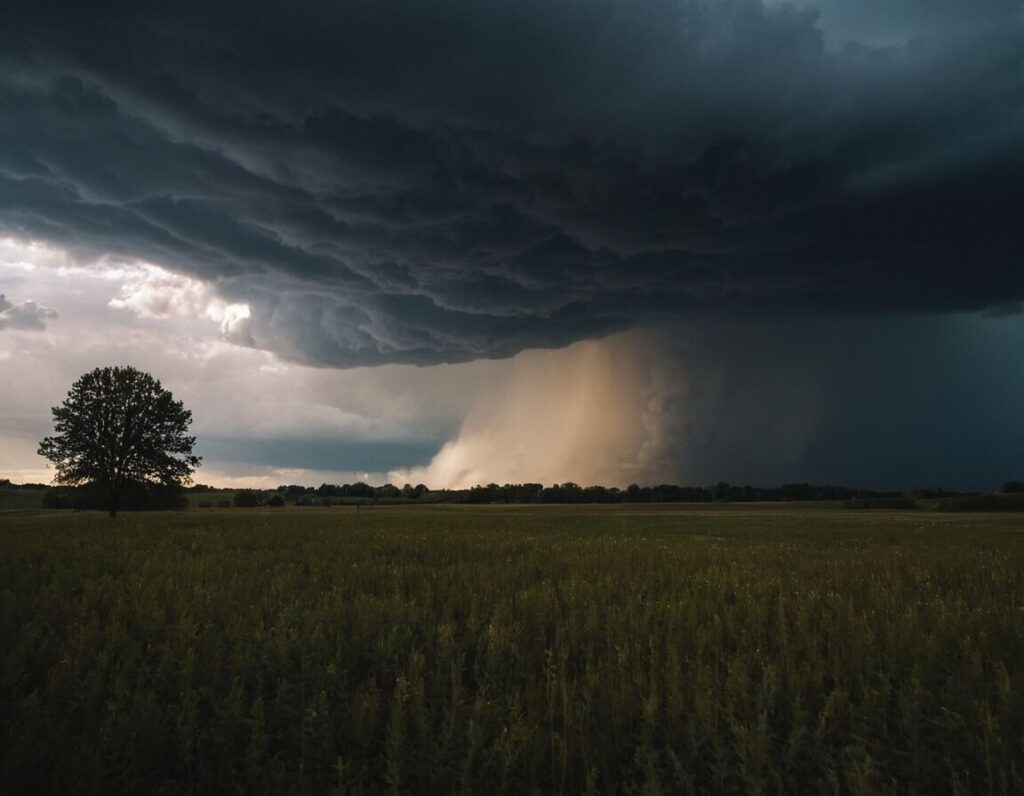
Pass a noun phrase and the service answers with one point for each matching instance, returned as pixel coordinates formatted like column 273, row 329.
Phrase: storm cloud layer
column 438, row 182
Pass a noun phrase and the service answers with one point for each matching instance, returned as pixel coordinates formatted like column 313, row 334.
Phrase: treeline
column 136, row 496
column 570, row 493
column 567, row 492
column 6, row 483
column 324, row 495
column 661, row 493
column 150, row 497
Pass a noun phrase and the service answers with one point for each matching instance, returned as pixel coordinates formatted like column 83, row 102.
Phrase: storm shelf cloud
column 400, row 182
column 630, row 240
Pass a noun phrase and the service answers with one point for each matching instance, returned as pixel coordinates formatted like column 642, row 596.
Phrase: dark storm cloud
column 889, row 21
column 424, row 182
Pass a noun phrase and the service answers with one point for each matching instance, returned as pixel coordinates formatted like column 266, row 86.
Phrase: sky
column 466, row 241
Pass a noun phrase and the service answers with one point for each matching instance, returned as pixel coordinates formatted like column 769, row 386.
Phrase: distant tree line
column 148, row 496
column 721, row 492
column 134, row 496
column 567, row 492
column 570, row 493
column 361, row 490
column 6, row 483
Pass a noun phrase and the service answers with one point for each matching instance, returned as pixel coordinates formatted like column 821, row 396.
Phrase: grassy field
column 445, row 649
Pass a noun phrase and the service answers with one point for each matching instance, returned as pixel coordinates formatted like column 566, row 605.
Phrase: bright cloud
column 150, row 291
column 255, row 415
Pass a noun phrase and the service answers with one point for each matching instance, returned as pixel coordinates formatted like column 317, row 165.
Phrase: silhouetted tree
column 388, row 491
column 246, row 498
column 117, row 428
column 358, row 489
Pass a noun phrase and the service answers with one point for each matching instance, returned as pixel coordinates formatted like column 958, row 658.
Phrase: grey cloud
column 427, row 182
column 27, row 316
column 896, row 21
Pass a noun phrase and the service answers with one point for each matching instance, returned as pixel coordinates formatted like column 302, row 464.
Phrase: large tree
column 118, row 428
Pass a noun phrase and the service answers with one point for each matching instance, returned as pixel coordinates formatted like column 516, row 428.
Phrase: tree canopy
column 118, row 428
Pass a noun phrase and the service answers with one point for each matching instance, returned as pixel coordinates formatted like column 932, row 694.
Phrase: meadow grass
column 552, row 649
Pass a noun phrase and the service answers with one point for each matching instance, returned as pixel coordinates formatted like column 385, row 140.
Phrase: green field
column 445, row 649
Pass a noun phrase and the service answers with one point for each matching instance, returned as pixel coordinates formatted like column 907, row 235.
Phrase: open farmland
column 513, row 649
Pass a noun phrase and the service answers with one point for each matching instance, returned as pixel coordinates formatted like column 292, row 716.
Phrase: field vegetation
column 512, row 649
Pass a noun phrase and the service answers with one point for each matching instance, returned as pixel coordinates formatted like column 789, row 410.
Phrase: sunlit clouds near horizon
column 249, row 406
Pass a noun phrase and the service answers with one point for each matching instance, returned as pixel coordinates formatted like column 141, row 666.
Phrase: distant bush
column 224, row 504
column 276, row 501
column 247, row 498
column 205, row 504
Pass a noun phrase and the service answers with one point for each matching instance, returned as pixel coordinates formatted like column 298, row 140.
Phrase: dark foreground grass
column 492, row 650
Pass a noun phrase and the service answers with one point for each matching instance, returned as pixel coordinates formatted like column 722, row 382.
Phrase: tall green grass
column 512, row 650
